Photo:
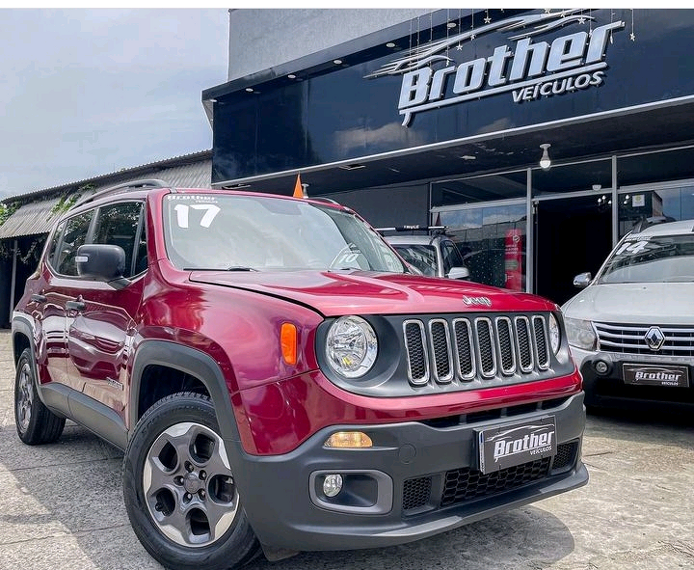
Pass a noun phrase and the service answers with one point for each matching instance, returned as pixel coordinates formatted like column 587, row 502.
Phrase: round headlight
column 554, row 333
column 351, row 347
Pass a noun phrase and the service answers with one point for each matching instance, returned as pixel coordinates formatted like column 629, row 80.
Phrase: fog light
column 332, row 484
column 601, row 367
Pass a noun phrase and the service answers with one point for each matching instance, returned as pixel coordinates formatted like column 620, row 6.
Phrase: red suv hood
column 358, row 292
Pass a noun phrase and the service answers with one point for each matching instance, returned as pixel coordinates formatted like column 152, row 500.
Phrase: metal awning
column 30, row 219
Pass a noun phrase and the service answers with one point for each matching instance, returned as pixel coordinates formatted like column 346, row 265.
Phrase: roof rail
column 414, row 228
column 644, row 223
column 327, row 200
column 132, row 185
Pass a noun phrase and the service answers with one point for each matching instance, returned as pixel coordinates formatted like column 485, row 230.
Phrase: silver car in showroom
column 631, row 328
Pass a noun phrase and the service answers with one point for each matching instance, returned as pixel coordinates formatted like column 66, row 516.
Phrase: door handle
column 38, row 298
column 75, row 305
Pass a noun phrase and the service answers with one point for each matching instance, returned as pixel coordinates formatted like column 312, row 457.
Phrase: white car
column 631, row 328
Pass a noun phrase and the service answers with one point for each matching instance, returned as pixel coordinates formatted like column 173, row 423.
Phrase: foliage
column 6, row 210
column 68, row 199
column 32, row 254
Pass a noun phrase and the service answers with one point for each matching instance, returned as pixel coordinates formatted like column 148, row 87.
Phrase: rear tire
column 36, row 424
column 179, row 489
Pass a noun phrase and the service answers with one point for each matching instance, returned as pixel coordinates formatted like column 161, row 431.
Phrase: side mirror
column 458, row 273
column 100, row 261
column 582, row 280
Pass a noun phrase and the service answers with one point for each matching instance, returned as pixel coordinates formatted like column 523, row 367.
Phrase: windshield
column 249, row 233
column 655, row 260
column 423, row 257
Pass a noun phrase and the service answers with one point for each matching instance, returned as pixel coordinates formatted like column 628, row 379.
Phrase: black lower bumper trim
column 281, row 504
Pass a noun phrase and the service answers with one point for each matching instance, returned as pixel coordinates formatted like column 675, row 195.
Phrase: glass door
column 572, row 235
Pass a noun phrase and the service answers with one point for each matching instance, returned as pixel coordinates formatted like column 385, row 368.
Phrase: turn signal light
column 349, row 440
column 288, row 342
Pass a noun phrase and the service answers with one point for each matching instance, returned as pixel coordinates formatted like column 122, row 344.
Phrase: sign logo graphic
column 529, row 70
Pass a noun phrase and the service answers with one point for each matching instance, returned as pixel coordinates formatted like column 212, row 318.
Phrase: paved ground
column 61, row 507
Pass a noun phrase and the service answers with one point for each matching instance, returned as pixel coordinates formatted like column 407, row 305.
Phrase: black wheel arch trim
column 22, row 325
column 191, row 361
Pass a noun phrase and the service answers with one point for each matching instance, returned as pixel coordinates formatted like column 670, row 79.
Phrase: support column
column 14, row 277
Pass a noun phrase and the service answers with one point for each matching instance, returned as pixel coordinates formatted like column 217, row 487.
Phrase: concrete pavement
column 61, row 507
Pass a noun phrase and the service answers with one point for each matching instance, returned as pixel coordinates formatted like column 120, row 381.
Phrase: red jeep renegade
column 279, row 378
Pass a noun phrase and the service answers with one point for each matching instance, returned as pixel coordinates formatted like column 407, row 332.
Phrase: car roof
column 669, row 228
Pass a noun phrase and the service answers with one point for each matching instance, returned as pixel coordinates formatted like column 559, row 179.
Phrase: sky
column 86, row 91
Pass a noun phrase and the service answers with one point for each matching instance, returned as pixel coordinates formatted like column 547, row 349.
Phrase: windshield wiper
column 231, row 268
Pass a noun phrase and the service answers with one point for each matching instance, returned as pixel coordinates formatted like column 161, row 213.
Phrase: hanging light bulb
column 545, row 161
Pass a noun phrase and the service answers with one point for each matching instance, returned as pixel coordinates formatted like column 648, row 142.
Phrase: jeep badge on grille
column 470, row 301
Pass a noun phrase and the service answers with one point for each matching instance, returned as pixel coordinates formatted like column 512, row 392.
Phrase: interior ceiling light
column 291, row 76
column 390, row 45
column 337, row 61
column 545, row 161
column 468, row 157
column 249, row 89
column 451, row 25
column 352, row 166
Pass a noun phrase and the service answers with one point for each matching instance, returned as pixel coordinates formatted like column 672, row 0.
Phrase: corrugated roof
column 37, row 217
column 30, row 219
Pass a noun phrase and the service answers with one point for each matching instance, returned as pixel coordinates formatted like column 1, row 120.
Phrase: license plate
column 510, row 445
column 652, row 375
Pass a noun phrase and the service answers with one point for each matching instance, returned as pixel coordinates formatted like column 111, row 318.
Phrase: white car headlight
column 554, row 334
column 351, row 347
column 580, row 333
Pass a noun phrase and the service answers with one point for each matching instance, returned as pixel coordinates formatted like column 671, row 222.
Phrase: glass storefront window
column 673, row 203
column 656, row 167
column 492, row 240
column 584, row 176
column 479, row 189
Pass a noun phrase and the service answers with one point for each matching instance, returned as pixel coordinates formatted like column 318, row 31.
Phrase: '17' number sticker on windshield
column 183, row 211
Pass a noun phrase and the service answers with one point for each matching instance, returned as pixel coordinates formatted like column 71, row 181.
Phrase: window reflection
column 493, row 242
column 670, row 203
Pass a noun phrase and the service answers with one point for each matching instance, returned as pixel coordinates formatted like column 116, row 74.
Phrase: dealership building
column 537, row 137
column 416, row 117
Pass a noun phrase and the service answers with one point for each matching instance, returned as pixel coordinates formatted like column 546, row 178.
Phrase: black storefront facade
column 445, row 120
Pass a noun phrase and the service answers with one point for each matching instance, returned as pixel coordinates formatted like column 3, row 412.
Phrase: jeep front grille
column 631, row 339
column 480, row 348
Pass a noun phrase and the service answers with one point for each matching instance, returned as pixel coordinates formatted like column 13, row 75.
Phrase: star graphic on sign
column 487, row 20
column 472, row 36
column 581, row 20
column 632, row 37
column 459, row 47
column 548, row 10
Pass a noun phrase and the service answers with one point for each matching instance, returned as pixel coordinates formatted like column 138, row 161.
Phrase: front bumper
column 419, row 479
column 608, row 389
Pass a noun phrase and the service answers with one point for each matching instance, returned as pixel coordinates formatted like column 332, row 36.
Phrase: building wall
column 262, row 39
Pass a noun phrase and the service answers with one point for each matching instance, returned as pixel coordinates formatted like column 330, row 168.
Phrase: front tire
column 179, row 489
column 36, row 424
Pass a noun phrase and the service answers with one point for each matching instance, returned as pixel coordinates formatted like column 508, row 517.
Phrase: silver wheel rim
column 188, row 485
column 25, row 397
